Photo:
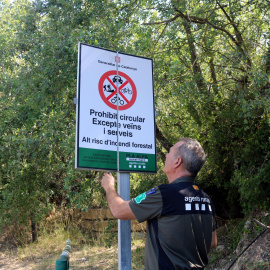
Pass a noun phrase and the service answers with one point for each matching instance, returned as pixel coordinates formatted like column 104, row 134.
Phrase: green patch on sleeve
column 140, row 198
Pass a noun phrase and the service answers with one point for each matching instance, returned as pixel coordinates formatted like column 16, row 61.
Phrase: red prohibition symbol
column 127, row 92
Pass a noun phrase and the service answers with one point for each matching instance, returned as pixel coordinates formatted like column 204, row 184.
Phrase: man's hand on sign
column 107, row 181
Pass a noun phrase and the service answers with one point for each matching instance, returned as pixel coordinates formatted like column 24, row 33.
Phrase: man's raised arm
column 119, row 208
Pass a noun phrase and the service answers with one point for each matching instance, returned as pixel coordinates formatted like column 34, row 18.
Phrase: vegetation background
column 212, row 82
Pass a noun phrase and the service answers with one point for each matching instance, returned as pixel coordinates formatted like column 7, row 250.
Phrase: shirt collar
column 190, row 179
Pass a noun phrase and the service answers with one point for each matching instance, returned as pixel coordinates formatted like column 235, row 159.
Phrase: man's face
column 171, row 158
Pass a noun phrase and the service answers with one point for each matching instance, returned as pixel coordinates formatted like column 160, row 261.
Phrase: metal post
column 124, row 227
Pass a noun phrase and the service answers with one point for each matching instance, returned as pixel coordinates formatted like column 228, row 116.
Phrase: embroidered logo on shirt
column 140, row 198
column 152, row 191
column 195, row 187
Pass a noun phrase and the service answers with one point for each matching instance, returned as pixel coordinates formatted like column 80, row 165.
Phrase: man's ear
column 178, row 162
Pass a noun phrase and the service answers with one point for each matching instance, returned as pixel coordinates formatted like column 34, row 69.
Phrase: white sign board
column 115, row 107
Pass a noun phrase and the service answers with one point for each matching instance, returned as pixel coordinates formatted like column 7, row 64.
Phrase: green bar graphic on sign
column 107, row 160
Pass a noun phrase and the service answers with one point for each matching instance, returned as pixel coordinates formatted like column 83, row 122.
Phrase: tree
column 211, row 72
column 214, row 68
column 38, row 116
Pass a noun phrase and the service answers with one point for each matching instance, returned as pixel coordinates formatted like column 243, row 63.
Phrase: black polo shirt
column 180, row 222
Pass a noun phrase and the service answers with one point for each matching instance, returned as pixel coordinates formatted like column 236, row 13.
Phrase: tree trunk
column 33, row 228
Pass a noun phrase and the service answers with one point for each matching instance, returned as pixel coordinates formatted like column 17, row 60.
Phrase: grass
column 89, row 250
column 99, row 250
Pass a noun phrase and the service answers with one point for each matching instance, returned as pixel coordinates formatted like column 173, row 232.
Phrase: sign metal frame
column 91, row 158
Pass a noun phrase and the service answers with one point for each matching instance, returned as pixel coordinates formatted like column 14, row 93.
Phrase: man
column 180, row 216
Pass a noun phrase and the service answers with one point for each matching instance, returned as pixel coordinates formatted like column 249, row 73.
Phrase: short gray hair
column 192, row 155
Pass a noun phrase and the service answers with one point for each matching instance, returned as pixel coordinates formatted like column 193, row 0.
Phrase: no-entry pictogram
column 127, row 92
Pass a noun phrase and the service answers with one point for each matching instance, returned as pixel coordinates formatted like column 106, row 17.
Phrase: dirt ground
column 7, row 263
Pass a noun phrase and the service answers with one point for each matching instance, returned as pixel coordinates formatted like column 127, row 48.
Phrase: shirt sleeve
column 147, row 205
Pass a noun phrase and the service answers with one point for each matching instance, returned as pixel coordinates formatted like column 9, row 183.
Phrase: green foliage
column 110, row 234
column 253, row 186
column 212, row 83
column 37, row 110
